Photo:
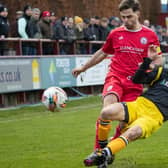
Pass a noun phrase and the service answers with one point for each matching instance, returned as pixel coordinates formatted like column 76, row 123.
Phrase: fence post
column 56, row 47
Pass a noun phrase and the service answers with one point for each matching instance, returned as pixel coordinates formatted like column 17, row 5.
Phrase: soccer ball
column 54, row 98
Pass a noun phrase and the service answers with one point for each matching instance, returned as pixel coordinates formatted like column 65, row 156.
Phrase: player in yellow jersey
column 143, row 116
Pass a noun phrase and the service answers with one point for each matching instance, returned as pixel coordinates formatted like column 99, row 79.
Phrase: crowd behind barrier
column 33, row 24
column 35, row 32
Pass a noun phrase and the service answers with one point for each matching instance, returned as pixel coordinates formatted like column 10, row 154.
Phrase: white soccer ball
column 54, row 98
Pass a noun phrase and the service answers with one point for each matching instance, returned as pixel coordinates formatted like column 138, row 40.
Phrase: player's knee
column 106, row 114
column 134, row 133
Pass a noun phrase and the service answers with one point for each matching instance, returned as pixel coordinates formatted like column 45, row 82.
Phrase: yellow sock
column 117, row 144
column 104, row 129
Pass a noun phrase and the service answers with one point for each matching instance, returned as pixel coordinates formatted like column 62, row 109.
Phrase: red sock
column 117, row 133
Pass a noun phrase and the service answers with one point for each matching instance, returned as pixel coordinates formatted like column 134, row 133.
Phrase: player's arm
column 158, row 59
column 143, row 75
column 95, row 59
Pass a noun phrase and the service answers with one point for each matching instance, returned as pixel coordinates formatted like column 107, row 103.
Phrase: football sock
column 96, row 145
column 103, row 131
column 118, row 144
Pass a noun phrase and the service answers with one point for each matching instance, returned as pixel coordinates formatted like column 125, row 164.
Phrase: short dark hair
column 127, row 4
column 63, row 18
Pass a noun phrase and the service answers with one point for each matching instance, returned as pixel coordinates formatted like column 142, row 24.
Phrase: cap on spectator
column 36, row 10
column 78, row 19
column 52, row 13
column 3, row 9
column 104, row 19
column 97, row 17
column 19, row 12
column 86, row 20
column 45, row 13
column 27, row 7
column 117, row 19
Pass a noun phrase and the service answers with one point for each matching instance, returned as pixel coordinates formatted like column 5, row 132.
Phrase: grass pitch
column 32, row 137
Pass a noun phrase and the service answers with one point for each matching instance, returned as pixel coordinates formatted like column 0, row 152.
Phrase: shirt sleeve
column 22, row 28
column 108, row 45
column 155, row 41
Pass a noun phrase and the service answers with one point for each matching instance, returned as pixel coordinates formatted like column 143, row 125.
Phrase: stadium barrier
column 14, row 45
column 22, row 79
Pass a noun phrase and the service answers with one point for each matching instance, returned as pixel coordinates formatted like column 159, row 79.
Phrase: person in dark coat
column 46, row 31
column 61, row 33
column 4, row 28
column 94, row 33
column 104, row 31
column 33, row 30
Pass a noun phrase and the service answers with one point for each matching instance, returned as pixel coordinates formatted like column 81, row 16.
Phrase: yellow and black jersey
column 158, row 85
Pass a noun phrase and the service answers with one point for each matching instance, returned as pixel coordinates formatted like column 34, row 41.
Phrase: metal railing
column 14, row 46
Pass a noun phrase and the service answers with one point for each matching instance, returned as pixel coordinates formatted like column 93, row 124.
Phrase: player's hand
column 77, row 71
column 152, row 52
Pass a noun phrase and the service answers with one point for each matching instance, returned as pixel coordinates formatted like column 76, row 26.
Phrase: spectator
column 22, row 28
column 164, row 42
column 159, row 32
column 33, row 30
column 60, row 29
column 14, row 24
column 71, row 36
column 146, row 23
column 104, row 31
column 71, row 30
column 93, row 29
column 4, row 28
column 86, row 30
column 61, row 33
column 19, row 14
column 53, row 18
column 97, row 20
column 114, row 22
column 45, row 25
column 94, row 33
column 79, row 26
column 46, row 31
column 86, row 35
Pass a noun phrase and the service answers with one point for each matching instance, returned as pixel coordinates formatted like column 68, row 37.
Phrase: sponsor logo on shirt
column 121, row 38
column 131, row 49
column 143, row 40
